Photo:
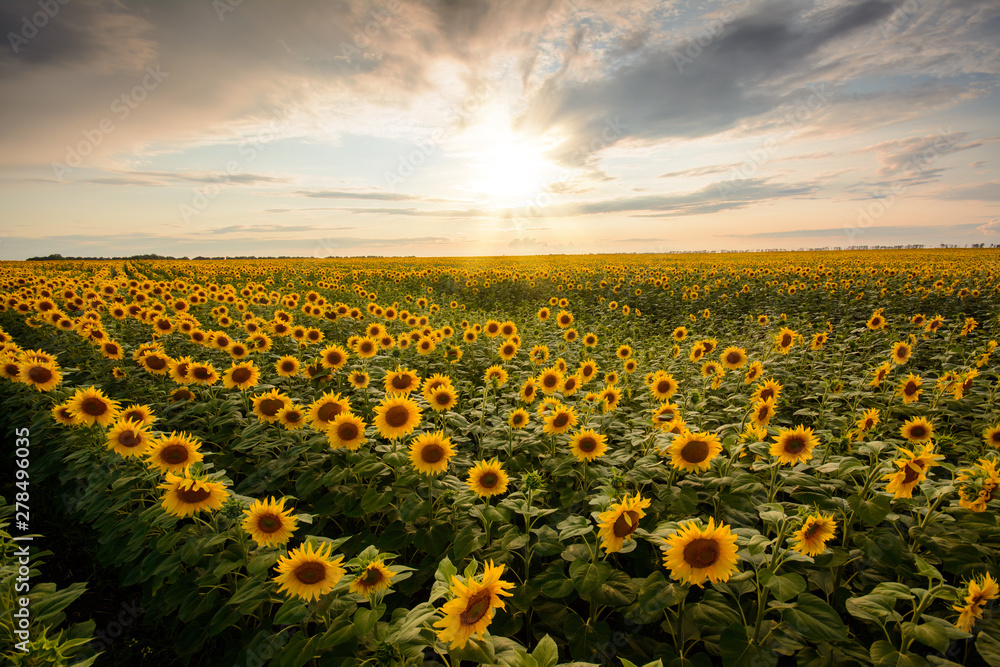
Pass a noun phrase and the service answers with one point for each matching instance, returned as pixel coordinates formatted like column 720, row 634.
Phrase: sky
column 495, row 127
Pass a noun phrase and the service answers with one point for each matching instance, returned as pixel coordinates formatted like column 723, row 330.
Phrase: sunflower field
column 659, row 460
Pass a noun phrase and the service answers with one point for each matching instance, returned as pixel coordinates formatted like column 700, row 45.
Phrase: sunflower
column 680, row 333
column 519, row 418
column 877, row 321
column 174, row 452
column 240, row 376
column 507, row 351
column 443, row 398
column 663, row 386
column 733, row 357
column 269, row 523
column 180, row 370
column 981, row 591
column 620, row 521
column 901, row 353
column 903, row 481
column 203, row 373
column 10, row 368
column 589, row 340
column 42, row 376
column 308, row 573
column 769, row 389
column 185, row 496
column 664, row 414
column 880, row 374
column 293, row 418
column 550, row 379
column 694, row 554
column 609, row 397
column 785, row 339
column 346, row 430
column 62, row 414
column 401, row 381
column 287, row 366
column 564, row 319
column 710, row 369
column 326, row 408
column 471, row 610
column 869, row 420
column 587, row 445
column 359, row 379
column 697, row 352
column 367, row 347
column 267, row 406
column 396, row 416
column 917, row 429
column 374, row 577
column 560, row 420
column 181, row 394
column 529, row 391
column 128, row 438
column 816, row 531
column 487, row 478
column 430, row 452
column 495, row 374
column 624, row 352
column 90, row 406
column 694, row 452
column 762, row 411
column 818, row 341
column 795, row 445
column 587, row 371
column 991, row 437
column 910, row 388
column 155, row 362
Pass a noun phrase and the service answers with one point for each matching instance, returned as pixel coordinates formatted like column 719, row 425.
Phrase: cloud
column 163, row 178
column 990, row 228
column 381, row 195
column 988, row 192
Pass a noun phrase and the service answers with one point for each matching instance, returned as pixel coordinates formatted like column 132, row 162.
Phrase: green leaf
column 872, row 511
column 815, row 619
column 574, row 526
column 476, row 651
column 783, row 587
column 586, row 576
column 291, row 612
column 988, row 647
column 615, row 591
column 546, row 653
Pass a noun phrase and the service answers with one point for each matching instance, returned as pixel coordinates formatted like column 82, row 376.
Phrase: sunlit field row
column 751, row 459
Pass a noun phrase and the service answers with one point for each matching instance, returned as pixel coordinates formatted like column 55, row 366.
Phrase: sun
column 505, row 167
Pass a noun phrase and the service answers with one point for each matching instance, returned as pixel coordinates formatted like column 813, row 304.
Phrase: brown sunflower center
column 175, row 454
column 478, row 606
column 560, row 420
column 328, row 411
column 293, row 416
column 695, row 451
column 396, row 416
column 93, row 406
column 902, row 352
column 812, row 530
column 402, row 382
column 288, row 366
column 918, row 431
column 154, row 362
column 347, row 431
column 311, row 572
column 766, row 394
column 241, row 375
column 129, row 439
column 734, row 357
column 550, row 380
column 701, row 552
column 786, row 340
column 333, row 358
column 270, row 406
column 201, row 373
column 626, row 524
column 193, row 496
column 269, row 523
column 795, row 444
column 443, row 398
column 663, row 386
column 432, row 453
column 910, row 474
column 587, row 444
column 910, row 388
column 373, row 576
column 39, row 374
